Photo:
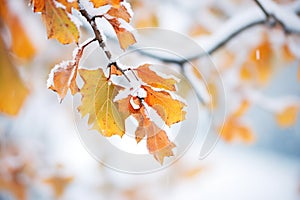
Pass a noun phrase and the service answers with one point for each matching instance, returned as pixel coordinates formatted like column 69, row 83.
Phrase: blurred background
column 257, row 156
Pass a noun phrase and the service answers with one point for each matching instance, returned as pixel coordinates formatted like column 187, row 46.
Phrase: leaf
column 151, row 78
column 145, row 20
column 120, row 12
column 242, row 109
column 158, row 143
column 125, row 37
column 287, row 54
column 97, row 101
column 99, row 3
column 12, row 89
column 287, row 117
column 169, row 109
column 63, row 76
column 58, row 23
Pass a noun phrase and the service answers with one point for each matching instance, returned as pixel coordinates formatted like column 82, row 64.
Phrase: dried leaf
column 63, row 76
column 58, row 23
column 12, row 89
column 97, row 101
column 169, row 109
column 287, row 117
column 99, row 3
column 120, row 12
column 125, row 37
column 233, row 130
column 151, row 78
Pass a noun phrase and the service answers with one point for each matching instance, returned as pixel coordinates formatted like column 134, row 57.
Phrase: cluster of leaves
column 107, row 114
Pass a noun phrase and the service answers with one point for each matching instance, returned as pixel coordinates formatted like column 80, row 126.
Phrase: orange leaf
column 59, row 24
column 242, row 109
column 287, row 54
column 146, row 19
column 120, row 12
column 99, row 3
column 125, row 37
column 63, row 76
column 12, row 89
column 169, row 109
column 287, row 117
column 98, row 101
column 144, row 123
column 59, row 184
column 151, row 78
column 158, row 143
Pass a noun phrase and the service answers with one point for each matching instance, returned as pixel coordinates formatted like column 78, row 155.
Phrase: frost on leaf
column 58, row 24
column 151, row 78
column 98, row 101
column 63, row 76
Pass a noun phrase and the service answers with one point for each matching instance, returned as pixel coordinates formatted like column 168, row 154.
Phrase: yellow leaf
column 198, row 30
column 287, row 117
column 99, row 3
column 97, row 100
column 158, row 143
column 169, row 109
column 245, row 72
column 59, row 24
column 125, row 37
column 151, row 78
column 63, row 76
column 120, row 12
column 12, row 89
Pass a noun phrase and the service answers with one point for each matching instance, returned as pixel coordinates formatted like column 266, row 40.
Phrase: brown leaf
column 120, row 12
column 169, row 109
column 13, row 92
column 38, row 5
column 99, row 3
column 151, row 78
column 63, row 76
column 125, row 37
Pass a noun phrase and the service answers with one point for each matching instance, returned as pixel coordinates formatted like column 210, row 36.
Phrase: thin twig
column 262, row 8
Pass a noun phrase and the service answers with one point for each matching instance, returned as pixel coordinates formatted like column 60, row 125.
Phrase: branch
column 265, row 13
